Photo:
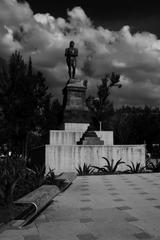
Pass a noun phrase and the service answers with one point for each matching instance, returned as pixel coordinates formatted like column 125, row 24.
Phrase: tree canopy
column 24, row 100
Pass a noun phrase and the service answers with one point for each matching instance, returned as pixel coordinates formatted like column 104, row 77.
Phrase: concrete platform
column 113, row 207
column 65, row 151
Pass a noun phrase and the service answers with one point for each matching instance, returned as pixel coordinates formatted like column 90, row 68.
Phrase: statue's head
column 71, row 44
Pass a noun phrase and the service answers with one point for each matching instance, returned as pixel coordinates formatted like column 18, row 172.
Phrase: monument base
column 76, row 116
column 75, row 110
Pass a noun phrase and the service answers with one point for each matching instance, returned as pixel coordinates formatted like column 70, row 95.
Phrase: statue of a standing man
column 71, row 53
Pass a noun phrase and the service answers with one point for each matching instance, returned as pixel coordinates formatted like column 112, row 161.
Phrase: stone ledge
column 67, row 176
column 36, row 201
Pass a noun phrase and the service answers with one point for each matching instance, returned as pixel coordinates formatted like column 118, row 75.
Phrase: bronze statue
column 71, row 53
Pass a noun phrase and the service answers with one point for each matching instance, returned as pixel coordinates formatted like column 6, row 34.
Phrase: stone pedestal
column 76, row 110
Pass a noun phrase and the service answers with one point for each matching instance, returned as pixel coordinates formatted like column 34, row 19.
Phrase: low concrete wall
column 67, row 158
column 71, row 138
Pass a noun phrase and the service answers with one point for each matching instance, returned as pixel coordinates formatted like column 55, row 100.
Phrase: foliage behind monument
column 101, row 108
column 24, row 100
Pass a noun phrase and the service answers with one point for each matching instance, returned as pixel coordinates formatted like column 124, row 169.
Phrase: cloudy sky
column 120, row 36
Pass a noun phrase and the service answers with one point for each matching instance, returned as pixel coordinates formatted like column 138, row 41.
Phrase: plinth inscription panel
column 75, row 100
column 76, row 109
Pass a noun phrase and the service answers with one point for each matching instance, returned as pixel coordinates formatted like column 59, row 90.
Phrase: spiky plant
column 50, row 177
column 85, row 170
column 100, row 170
column 111, row 167
column 135, row 168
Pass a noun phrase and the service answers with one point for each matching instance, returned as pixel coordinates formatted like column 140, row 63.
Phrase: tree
column 23, row 98
column 101, row 108
column 136, row 125
column 52, row 115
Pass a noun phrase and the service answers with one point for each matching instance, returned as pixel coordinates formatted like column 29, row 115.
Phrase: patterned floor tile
column 86, row 209
column 124, row 208
column 88, row 236
column 84, row 189
column 131, row 219
column 32, row 237
column 85, row 194
column 151, row 199
column 143, row 193
column 86, row 220
column 157, row 206
column 118, row 200
column 143, row 235
column 85, row 200
column 114, row 194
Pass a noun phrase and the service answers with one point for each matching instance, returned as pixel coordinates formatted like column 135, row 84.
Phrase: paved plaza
column 112, row 207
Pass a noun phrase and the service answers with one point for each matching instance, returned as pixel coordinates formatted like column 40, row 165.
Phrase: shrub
column 85, row 170
column 154, row 167
column 110, row 167
column 135, row 168
column 16, row 179
column 50, row 177
column 37, row 176
column 12, row 170
column 100, row 170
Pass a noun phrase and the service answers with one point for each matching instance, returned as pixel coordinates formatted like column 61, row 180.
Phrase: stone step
column 90, row 138
column 88, row 134
column 90, row 142
column 93, row 138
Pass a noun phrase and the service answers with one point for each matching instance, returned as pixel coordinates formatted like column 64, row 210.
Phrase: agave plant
column 85, row 170
column 50, row 177
column 135, row 168
column 111, row 167
column 100, row 170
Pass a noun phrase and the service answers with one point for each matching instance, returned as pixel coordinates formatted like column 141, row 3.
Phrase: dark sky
column 140, row 15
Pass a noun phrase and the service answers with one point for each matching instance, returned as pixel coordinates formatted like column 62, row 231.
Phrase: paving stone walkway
column 114, row 207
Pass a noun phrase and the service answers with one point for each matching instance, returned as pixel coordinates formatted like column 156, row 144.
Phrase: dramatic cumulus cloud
column 135, row 56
